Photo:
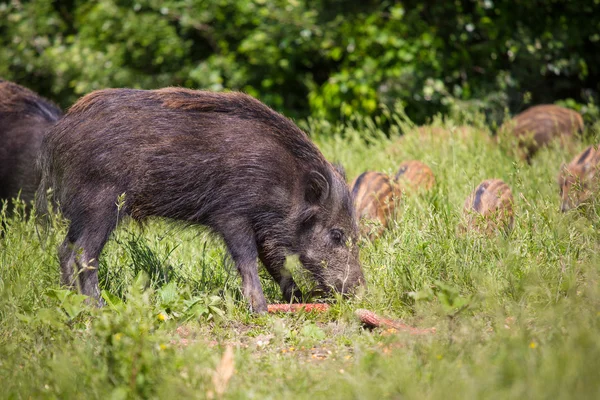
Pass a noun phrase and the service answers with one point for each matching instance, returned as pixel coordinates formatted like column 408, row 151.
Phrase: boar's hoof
column 292, row 294
column 258, row 303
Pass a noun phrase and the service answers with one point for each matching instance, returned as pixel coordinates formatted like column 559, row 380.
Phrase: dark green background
column 322, row 58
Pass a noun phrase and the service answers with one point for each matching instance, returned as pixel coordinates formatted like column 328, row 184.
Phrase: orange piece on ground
column 286, row 308
column 372, row 320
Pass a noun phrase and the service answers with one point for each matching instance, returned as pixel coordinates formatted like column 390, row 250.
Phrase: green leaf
column 111, row 300
column 312, row 331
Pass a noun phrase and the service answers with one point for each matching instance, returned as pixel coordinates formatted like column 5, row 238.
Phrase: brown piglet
column 579, row 180
column 538, row 126
column 375, row 198
column 416, row 175
column 489, row 207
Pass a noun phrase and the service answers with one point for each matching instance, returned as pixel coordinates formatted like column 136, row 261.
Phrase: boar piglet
column 415, row 174
column 489, row 208
column 375, row 199
column 224, row 160
column 24, row 117
column 539, row 125
column 579, row 180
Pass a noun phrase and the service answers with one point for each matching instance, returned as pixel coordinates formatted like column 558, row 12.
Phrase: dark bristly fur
column 489, row 207
column 224, row 160
column 375, row 196
column 539, row 125
column 24, row 117
column 579, row 180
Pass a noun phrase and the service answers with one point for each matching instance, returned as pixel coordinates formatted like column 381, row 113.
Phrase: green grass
column 516, row 316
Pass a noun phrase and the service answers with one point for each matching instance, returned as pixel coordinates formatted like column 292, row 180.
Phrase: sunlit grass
column 516, row 315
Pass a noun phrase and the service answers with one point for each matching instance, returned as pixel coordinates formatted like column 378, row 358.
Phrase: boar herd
column 229, row 162
column 489, row 208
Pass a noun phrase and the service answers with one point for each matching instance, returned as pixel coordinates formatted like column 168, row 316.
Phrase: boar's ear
column 317, row 189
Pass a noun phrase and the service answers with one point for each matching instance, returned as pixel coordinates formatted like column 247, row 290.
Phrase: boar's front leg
column 81, row 248
column 241, row 244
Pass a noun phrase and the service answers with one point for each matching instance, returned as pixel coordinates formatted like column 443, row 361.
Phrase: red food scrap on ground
column 368, row 318
column 372, row 320
column 286, row 308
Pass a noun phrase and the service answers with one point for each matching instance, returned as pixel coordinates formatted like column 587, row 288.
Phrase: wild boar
column 375, row 197
column 223, row 160
column 489, row 207
column 538, row 126
column 24, row 117
column 416, row 175
column 579, row 180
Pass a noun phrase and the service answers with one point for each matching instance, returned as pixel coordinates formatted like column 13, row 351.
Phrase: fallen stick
column 372, row 320
column 288, row 308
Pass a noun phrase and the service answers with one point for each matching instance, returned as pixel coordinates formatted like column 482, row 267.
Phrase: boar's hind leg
column 275, row 264
column 80, row 250
column 242, row 247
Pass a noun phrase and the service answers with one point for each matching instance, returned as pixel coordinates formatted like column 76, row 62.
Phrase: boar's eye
column 337, row 236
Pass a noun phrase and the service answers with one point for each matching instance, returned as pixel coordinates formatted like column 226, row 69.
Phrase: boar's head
column 579, row 180
column 575, row 184
column 328, row 232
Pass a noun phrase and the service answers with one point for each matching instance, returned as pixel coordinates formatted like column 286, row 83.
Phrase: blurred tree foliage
column 326, row 58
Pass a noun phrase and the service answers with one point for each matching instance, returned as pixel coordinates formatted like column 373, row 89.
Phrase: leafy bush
column 326, row 58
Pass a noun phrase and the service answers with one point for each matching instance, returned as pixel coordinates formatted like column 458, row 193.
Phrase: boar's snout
column 572, row 193
column 565, row 206
column 335, row 268
column 350, row 284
